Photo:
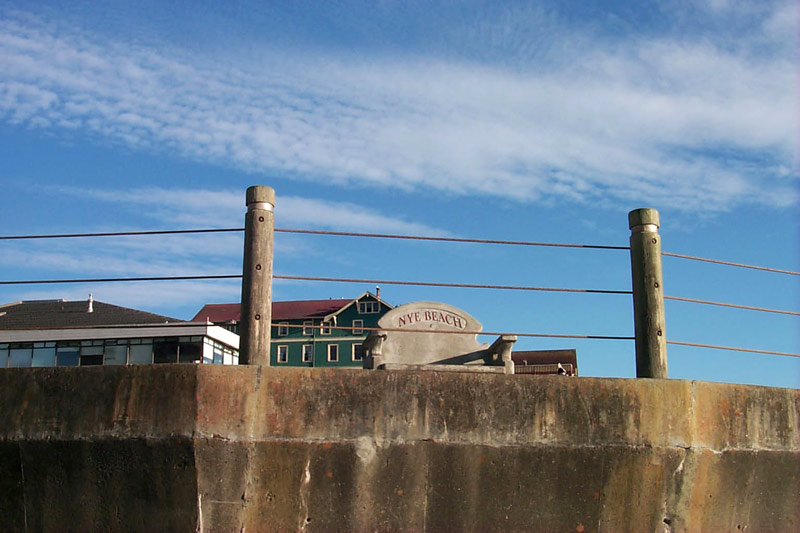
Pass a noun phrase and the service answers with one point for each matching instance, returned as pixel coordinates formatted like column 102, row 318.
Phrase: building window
column 333, row 353
column 326, row 327
column 283, row 353
column 116, row 352
column 141, row 352
column 308, row 327
column 91, row 355
column 67, row 353
column 44, row 354
column 165, row 350
column 358, row 352
column 308, row 353
column 283, row 329
column 190, row 350
column 368, row 307
column 20, row 355
column 358, row 327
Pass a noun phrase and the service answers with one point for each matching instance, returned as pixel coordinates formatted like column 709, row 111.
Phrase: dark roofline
column 58, row 314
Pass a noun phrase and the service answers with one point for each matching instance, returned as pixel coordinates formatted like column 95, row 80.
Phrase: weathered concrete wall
column 179, row 447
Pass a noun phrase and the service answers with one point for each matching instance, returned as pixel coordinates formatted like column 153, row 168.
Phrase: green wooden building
column 315, row 333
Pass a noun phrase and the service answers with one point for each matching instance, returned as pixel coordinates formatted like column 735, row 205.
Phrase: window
column 283, row 329
column 91, row 355
column 67, row 354
column 116, row 353
column 141, row 351
column 358, row 352
column 3, row 355
column 165, row 350
column 283, row 354
column 308, row 353
column 308, row 327
column 44, row 354
column 333, row 353
column 326, row 327
column 189, row 351
column 20, row 355
column 368, row 307
column 358, row 327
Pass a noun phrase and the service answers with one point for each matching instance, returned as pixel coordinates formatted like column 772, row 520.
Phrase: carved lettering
column 431, row 315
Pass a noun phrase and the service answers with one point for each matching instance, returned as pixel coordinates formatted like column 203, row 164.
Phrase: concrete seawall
column 184, row 447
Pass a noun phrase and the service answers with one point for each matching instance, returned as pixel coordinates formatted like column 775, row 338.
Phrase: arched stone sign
column 433, row 333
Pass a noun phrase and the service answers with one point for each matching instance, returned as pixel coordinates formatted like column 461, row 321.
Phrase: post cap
column 640, row 217
column 259, row 194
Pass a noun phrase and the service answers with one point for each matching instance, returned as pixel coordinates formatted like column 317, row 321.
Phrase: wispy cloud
column 225, row 208
column 683, row 124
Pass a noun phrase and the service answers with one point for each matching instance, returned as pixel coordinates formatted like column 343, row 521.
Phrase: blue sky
column 543, row 121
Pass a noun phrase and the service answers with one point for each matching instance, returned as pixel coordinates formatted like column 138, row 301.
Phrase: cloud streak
column 225, row 208
column 679, row 123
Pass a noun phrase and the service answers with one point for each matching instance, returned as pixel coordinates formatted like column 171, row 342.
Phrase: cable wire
column 456, row 285
column 118, row 234
column 448, row 332
column 109, row 280
column 731, row 348
column 735, row 306
column 317, row 232
column 312, row 278
column 451, row 239
column 393, row 236
column 729, row 263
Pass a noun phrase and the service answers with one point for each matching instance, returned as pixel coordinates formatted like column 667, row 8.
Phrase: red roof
column 280, row 310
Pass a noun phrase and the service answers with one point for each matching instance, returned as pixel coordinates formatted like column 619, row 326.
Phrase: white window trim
column 303, row 353
column 308, row 327
column 329, row 353
column 283, row 329
column 358, row 329
column 278, row 354
column 326, row 328
column 353, row 352
column 369, row 307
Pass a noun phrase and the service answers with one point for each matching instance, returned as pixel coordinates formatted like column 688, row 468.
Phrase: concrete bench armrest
column 500, row 352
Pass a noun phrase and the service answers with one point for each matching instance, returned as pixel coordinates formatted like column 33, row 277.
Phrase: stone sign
column 430, row 318
column 428, row 333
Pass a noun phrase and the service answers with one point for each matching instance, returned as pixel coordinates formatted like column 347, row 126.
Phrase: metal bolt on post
column 648, row 294
column 256, row 308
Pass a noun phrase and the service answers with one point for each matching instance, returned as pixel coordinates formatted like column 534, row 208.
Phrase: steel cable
column 730, row 263
column 735, row 306
column 118, row 234
column 732, row 348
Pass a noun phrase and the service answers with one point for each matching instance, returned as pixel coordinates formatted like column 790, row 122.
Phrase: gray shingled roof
column 54, row 314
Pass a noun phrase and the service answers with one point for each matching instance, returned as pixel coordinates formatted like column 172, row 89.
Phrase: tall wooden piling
column 648, row 294
column 256, row 308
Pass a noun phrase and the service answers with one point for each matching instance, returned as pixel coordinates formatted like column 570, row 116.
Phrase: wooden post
column 256, row 309
column 648, row 294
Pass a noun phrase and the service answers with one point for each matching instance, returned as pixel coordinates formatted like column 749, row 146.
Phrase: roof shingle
column 55, row 314
column 280, row 310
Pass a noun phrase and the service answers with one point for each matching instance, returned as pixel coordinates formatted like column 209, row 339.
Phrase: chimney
column 377, row 291
column 91, row 304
